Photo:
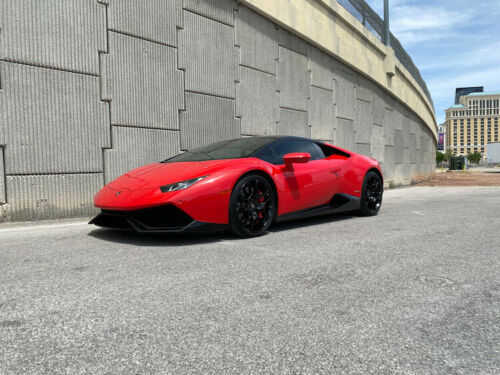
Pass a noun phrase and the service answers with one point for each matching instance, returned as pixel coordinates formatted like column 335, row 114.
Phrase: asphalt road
column 414, row 290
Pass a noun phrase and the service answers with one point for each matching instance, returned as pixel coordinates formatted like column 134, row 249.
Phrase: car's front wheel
column 371, row 196
column 251, row 206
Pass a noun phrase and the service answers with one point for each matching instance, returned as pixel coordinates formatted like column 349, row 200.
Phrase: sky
column 454, row 43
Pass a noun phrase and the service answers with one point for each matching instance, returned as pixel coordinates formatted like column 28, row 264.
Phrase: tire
column 251, row 206
column 371, row 196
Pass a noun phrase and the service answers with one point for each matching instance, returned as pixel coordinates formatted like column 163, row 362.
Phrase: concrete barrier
column 101, row 87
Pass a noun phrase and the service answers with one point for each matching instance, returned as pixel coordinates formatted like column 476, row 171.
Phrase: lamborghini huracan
column 243, row 185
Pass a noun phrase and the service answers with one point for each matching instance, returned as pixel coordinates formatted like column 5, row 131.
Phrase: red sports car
column 242, row 184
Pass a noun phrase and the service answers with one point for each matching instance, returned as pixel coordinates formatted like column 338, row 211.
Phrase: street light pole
column 387, row 35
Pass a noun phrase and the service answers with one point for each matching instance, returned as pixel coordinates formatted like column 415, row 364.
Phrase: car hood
column 157, row 174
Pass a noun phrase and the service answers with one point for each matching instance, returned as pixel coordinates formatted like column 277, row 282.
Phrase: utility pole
column 387, row 33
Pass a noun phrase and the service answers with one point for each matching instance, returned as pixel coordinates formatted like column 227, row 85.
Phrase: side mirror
column 296, row 157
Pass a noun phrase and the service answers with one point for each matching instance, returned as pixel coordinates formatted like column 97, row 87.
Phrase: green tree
column 439, row 157
column 447, row 155
column 474, row 157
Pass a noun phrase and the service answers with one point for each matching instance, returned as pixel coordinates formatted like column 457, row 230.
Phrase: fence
column 372, row 21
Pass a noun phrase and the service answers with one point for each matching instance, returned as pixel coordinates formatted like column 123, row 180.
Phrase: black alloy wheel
column 251, row 206
column 371, row 197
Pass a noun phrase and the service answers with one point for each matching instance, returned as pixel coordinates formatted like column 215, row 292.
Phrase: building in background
column 441, row 145
column 463, row 91
column 473, row 123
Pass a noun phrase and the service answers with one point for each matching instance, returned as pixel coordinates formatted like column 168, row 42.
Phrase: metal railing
column 372, row 21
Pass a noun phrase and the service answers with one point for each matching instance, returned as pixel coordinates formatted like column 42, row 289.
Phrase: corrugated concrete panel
column 405, row 130
column 406, row 155
column 257, row 102
column 363, row 120
column 207, row 119
column 413, row 171
column 144, row 84
column 389, row 155
column 390, row 102
column 388, row 172
column 378, row 143
column 321, row 113
column 345, row 92
column 344, row 134
column 293, row 123
column 258, row 41
column 220, row 10
column 420, row 163
column 134, row 147
column 378, row 108
column 414, row 124
column 52, row 196
column 418, row 137
column 105, row 78
column 413, row 148
column 363, row 90
column 208, row 55
column 423, row 144
column 430, row 147
column 402, row 174
column 290, row 41
column 401, row 114
column 389, row 126
column 293, row 79
column 61, row 34
column 2, row 179
column 363, row 149
column 53, row 120
column 398, row 147
column 320, row 65
column 155, row 20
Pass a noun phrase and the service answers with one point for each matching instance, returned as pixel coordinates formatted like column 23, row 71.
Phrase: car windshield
column 231, row 149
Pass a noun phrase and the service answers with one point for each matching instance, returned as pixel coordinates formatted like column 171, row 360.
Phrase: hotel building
column 473, row 123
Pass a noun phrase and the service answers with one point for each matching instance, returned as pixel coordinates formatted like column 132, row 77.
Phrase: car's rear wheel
column 251, row 206
column 371, row 196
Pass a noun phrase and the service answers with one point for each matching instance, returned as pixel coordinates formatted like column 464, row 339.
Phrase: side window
column 267, row 155
column 274, row 154
column 329, row 151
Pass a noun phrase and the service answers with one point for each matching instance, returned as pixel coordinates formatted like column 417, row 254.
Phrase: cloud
column 442, row 86
column 412, row 18
column 472, row 56
column 415, row 22
column 418, row 24
column 454, row 43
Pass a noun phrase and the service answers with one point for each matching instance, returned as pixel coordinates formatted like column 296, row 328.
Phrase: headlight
column 180, row 185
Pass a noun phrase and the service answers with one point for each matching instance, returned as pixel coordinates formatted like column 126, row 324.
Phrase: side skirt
column 339, row 203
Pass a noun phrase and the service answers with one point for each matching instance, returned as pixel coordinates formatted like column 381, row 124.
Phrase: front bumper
column 161, row 219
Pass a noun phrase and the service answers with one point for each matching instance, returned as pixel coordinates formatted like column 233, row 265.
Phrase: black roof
column 281, row 137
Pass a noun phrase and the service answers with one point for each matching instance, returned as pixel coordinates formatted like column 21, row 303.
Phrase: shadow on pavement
column 318, row 220
column 176, row 239
column 155, row 239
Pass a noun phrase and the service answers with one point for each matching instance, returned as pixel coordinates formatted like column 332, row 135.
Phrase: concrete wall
column 90, row 89
column 329, row 26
